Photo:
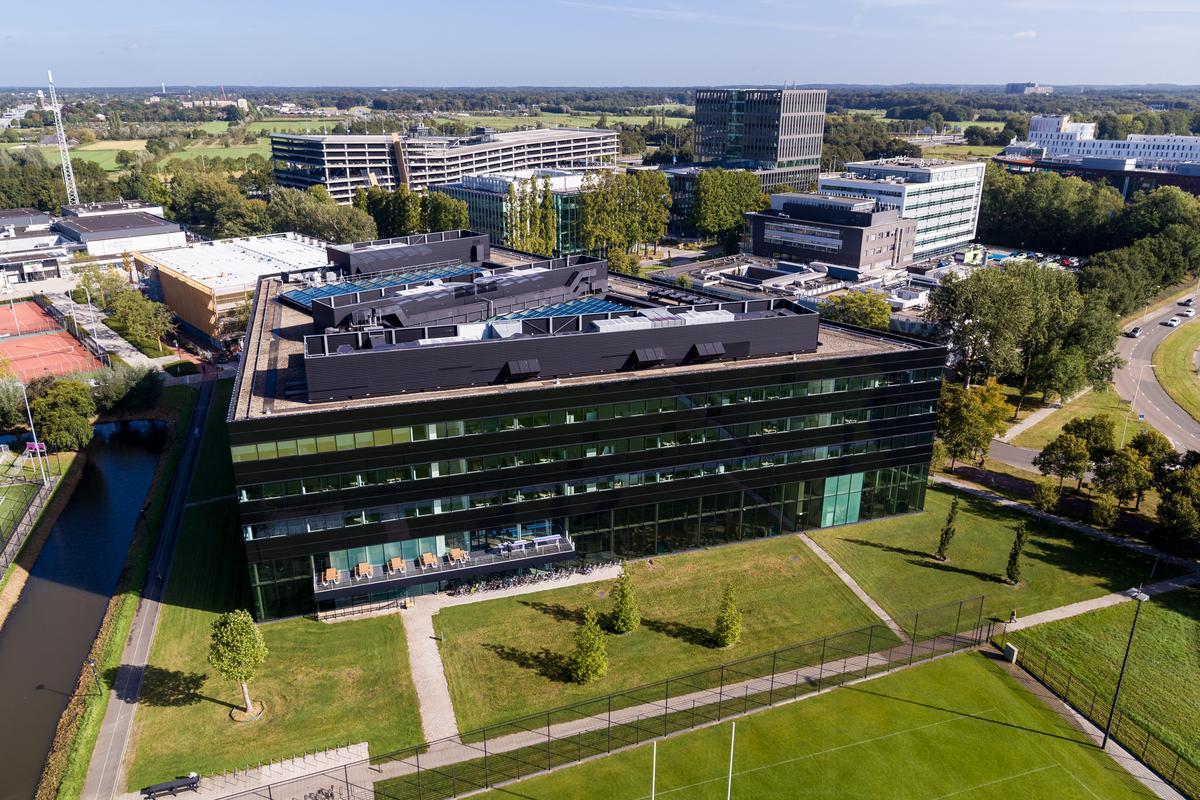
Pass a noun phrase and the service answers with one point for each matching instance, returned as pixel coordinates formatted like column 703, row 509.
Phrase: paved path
column 429, row 676
column 1162, row 413
column 1036, row 417
column 1097, row 603
column 90, row 318
column 853, row 585
column 106, row 771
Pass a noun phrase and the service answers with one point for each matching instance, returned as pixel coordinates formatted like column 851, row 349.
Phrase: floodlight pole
column 653, row 766
column 732, row 737
column 1139, row 597
column 37, row 448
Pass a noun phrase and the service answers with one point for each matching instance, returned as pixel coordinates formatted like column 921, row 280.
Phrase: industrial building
column 1027, row 88
column 1058, row 137
column 489, row 203
column 108, row 207
column 208, row 284
column 777, row 132
column 344, row 163
column 942, row 196
column 118, row 233
column 1123, row 174
column 860, row 233
column 413, row 429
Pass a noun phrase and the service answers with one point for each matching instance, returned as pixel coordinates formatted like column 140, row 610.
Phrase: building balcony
column 428, row 568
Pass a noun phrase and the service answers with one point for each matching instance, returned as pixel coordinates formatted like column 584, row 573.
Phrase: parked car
column 1135, row 332
column 1173, row 322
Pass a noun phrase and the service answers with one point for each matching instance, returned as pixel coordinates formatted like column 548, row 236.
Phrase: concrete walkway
column 853, row 585
column 105, row 775
column 1096, row 603
column 91, row 320
column 1037, row 416
column 429, row 675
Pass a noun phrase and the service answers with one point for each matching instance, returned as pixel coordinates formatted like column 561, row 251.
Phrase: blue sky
column 599, row 42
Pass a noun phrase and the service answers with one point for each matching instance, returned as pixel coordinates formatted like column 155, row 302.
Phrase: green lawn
column 1087, row 405
column 263, row 148
column 889, row 560
column 323, row 684
column 787, row 596
column 1161, row 691
column 958, row 727
column 961, row 151
column 1175, row 361
column 216, row 126
column 14, row 499
column 292, row 124
column 147, row 347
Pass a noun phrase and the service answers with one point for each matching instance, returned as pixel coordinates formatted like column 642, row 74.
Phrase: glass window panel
column 266, row 451
column 244, row 452
column 326, row 444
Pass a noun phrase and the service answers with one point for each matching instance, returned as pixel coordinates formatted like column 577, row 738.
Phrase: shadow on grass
column 167, row 688
column 556, row 610
column 904, row 551
column 545, row 662
column 945, row 566
column 681, row 631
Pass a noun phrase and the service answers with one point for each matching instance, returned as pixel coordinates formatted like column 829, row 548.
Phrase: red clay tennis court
column 55, row 353
column 18, row 319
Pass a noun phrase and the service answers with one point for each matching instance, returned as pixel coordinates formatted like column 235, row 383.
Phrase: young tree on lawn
column 63, row 415
column 236, row 650
column 1105, row 510
column 728, row 628
column 947, row 531
column 626, row 616
column 1013, row 571
column 1065, row 455
column 968, row 419
column 590, row 660
column 1126, row 474
column 864, row 309
column 1046, row 497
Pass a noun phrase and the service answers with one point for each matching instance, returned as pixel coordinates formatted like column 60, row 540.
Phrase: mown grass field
column 1175, row 367
column 1089, row 404
column 960, row 151
column 959, row 727
column 890, row 559
column 323, row 685
column 504, row 658
column 1161, row 691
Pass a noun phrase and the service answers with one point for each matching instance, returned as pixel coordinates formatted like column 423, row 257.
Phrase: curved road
column 1162, row 413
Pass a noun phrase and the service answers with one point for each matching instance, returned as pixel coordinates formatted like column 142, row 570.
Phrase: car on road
column 1189, row 312
column 1191, row 301
column 1173, row 322
column 1135, row 332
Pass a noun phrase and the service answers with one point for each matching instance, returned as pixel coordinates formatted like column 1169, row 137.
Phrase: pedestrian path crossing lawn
column 959, row 727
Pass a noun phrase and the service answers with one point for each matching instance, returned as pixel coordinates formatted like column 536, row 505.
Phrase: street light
column 91, row 310
column 1137, row 387
column 1140, row 597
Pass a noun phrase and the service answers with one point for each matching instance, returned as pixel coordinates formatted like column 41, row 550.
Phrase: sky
column 599, row 42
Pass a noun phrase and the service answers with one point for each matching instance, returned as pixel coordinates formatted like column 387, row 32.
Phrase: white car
column 1189, row 312
column 1173, row 322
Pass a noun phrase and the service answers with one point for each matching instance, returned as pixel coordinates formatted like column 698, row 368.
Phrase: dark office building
column 1122, row 174
column 847, row 231
column 778, row 131
column 395, row 440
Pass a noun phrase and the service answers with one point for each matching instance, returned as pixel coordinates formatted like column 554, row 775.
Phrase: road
column 105, row 771
column 1161, row 411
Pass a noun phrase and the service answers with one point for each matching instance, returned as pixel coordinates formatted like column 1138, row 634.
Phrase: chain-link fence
column 1170, row 765
column 519, row 748
column 23, row 504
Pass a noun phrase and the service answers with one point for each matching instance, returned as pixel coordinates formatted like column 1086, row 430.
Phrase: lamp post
column 1139, row 597
column 91, row 662
column 91, row 309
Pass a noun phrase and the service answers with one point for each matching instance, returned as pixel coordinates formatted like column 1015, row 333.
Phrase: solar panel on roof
column 588, row 305
column 304, row 298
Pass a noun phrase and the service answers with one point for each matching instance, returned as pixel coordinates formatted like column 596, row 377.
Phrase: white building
column 1058, row 137
column 943, row 196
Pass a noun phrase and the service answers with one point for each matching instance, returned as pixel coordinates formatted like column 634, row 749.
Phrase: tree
column 1066, row 455
column 721, row 199
column 982, row 318
column 1105, row 510
column 590, row 660
column 1178, row 516
column 441, row 212
column 1046, row 497
column 1013, row 570
column 947, row 531
column 626, row 616
column 1126, row 475
column 236, row 650
column 727, row 630
column 63, row 415
column 864, row 309
column 1158, row 450
column 1098, row 431
column 548, row 217
column 102, row 284
column 968, row 419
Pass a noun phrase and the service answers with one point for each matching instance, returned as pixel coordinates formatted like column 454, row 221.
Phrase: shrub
column 1013, row 570
column 1105, row 511
column 1046, row 497
column 947, row 531
column 590, row 660
column 728, row 628
column 626, row 615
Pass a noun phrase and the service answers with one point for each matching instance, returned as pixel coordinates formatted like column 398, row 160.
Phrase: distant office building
column 106, row 207
column 344, row 163
column 1123, row 174
column 775, row 131
column 942, row 196
column 1027, row 88
column 1058, row 137
column 208, row 284
column 487, row 199
column 860, row 233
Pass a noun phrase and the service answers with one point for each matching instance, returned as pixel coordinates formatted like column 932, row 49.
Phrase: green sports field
column 958, row 727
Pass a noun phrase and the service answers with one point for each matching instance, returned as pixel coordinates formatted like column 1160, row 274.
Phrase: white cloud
column 1025, row 35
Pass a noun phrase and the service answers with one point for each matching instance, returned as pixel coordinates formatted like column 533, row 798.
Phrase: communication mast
column 63, row 153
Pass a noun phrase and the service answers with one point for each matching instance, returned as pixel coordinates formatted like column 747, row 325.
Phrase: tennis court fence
column 18, row 521
column 509, row 751
column 72, row 326
column 1079, row 694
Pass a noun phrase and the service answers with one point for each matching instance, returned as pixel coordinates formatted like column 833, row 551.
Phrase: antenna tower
column 63, row 153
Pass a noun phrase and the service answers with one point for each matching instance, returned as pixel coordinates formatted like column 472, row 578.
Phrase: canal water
column 47, row 636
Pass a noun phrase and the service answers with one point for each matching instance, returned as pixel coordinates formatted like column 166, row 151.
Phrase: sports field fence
column 17, row 521
column 72, row 326
column 1170, row 765
column 509, row 751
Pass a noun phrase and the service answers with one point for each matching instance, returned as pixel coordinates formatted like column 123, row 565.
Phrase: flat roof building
column 19, row 218
column 942, row 196
column 1058, row 137
column 98, row 209
column 116, row 233
column 1123, row 174
column 395, row 439
column 208, row 284
column 345, row 163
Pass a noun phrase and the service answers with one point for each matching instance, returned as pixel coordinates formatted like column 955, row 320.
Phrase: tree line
column 403, row 212
column 620, row 211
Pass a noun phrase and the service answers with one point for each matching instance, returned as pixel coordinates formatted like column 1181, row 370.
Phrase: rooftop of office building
column 513, row 323
column 530, row 136
column 908, row 162
column 108, row 225
column 238, row 263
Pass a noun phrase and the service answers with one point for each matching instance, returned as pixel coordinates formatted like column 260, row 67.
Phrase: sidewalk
column 91, row 320
column 1037, row 416
column 1096, row 603
column 853, row 585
